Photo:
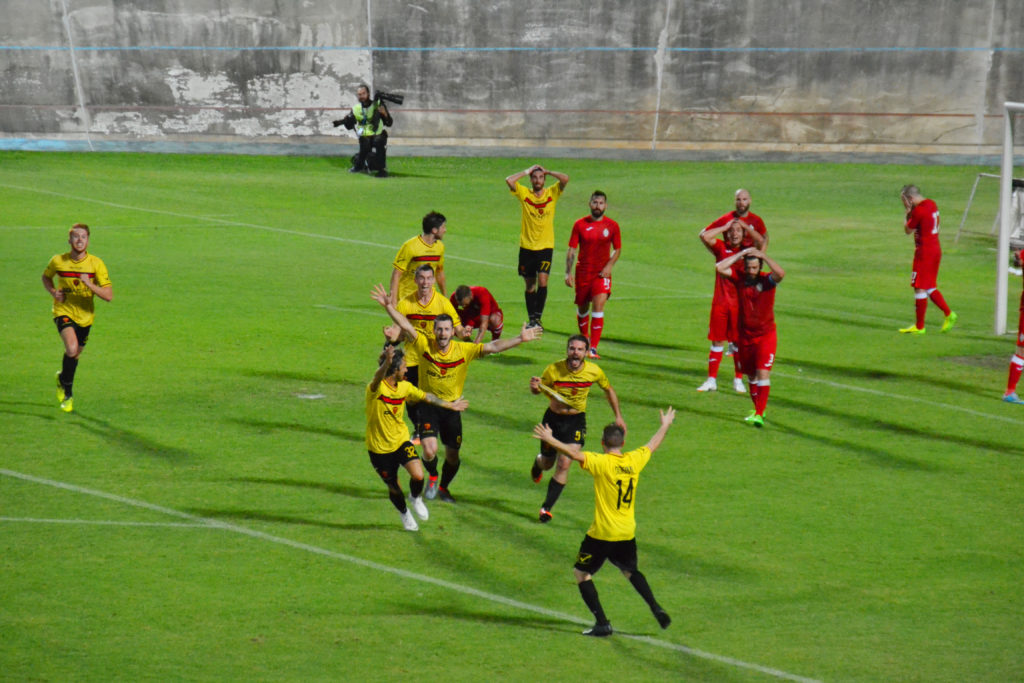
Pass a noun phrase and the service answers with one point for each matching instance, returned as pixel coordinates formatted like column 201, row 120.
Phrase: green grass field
column 199, row 517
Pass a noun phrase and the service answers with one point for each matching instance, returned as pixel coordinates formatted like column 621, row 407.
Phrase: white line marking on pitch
column 458, row 588
column 101, row 522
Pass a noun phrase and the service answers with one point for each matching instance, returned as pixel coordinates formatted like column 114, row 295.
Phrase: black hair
column 613, row 436
column 433, row 220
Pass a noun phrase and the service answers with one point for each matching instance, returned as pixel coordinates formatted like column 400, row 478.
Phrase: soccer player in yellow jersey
column 567, row 384
column 387, row 437
column 421, row 307
column 537, row 234
column 80, row 277
column 417, row 251
column 444, row 362
column 612, row 536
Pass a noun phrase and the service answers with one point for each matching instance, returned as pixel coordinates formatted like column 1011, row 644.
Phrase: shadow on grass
column 321, row 378
column 349, row 491
column 129, row 440
column 357, row 437
column 483, row 617
column 50, row 408
column 942, row 441
column 260, row 516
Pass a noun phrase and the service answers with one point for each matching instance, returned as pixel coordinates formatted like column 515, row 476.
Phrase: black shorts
column 412, row 375
column 81, row 333
column 387, row 464
column 533, row 261
column 566, row 428
column 438, row 422
column 593, row 552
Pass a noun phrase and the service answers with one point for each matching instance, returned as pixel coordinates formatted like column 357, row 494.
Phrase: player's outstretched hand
column 667, row 416
column 380, row 295
column 543, row 432
column 460, row 404
column 530, row 333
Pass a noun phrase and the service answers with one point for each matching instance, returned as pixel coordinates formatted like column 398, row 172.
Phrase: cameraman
column 368, row 118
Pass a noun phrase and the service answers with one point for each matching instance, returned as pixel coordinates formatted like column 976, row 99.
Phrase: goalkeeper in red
column 80, row 277
column 597, row 240
column 612, row 535
column 1017, row 361
column 923, row 223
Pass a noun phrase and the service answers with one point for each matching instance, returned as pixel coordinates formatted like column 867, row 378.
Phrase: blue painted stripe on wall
column 330, row 48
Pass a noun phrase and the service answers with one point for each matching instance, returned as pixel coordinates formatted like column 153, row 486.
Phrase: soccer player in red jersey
column 923, row 222
column 756, row 293
column 722, row 327
column 478, row 311
column 1017, row 362
column 744, row 213
column 599, row 243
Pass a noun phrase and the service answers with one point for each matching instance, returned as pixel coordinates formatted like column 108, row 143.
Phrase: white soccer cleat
column 737, row 384
column 408, row 522
column 710, row 384
column 419, row 507
column 431, row 492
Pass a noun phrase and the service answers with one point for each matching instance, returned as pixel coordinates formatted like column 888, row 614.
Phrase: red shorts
column 586, row 291
column 1020, row 322
column 758, row 353
column 926, row 270
column 724, row 318
column 475, row 322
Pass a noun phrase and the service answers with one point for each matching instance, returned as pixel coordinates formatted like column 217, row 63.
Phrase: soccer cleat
column 61, row 395
column 545, row 515
column 662, row 616
column 593, row 354
column 599, row 630
column 355, row 169
column 1012, row 397
column 443, row 494
column 536, row 473
column 749, row 418
column 731, row 349
column 710, row 384
column 757, row 421
column 913, row 329
column 67, row 405
column 408, row 522
column 419, row 507
column 382, row 173
column 431, row 492
column 737, row 384
column 950, row 320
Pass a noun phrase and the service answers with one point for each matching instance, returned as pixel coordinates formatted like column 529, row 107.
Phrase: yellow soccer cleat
column 67, row 405
column 60, row 388
column 913, row 329
column 950, row 320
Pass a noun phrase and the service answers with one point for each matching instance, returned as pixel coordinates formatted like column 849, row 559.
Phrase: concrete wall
column 691, row 78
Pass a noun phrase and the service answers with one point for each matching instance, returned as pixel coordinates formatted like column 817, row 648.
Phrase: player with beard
column 757, row 338
column 596, row 237
column 537, row 233
column 567, row 384
column 443, row 365
column 722, row 328
column 743, row 212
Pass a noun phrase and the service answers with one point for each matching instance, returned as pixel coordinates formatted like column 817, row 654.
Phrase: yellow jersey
column 444, row 373
column 615, row 481
column 78, row 301
column 422, row 318
column 413, row 254
column 538, row 224
column 574, row 387
column 385, row 429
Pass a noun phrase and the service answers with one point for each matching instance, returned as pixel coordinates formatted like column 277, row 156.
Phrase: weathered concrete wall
column 685, row 76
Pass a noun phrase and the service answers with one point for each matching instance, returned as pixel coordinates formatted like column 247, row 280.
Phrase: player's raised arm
column 514, row 178
column 725, row 265
column 613, row 401
column 380, row 295
column 667, row 416
column 527, row 334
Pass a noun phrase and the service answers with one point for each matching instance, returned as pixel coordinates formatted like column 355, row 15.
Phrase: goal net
column 1010, row 205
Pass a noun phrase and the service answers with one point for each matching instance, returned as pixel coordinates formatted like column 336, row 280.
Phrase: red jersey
column 757, row 305
column 595, row 240
column 924, row 220
column 482, row 304
column 751, row 219
column 725, row 288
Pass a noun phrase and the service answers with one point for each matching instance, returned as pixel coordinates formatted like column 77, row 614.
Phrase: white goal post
column 1005, row 215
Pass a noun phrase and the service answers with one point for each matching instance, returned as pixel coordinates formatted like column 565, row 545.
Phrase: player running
column 444, row 363
column 567, row 384
column 596, row 237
